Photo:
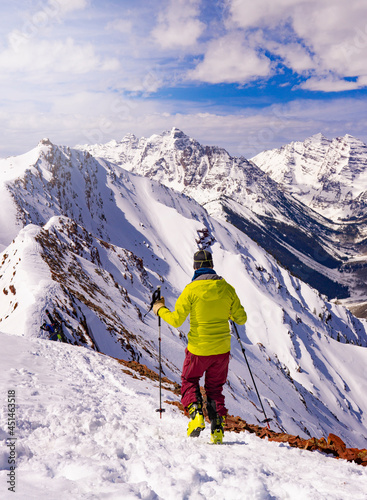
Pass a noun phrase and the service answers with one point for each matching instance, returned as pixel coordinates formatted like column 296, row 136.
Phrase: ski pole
column 267, row 420
column 156, row 296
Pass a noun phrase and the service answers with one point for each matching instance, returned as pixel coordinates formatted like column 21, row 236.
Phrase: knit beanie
column 203, row 258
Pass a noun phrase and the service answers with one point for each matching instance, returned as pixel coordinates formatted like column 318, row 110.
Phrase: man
column 54, row 328
column 53, row 335
column 211, row 303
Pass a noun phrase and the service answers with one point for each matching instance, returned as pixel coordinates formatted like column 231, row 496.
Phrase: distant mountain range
column 304, row 203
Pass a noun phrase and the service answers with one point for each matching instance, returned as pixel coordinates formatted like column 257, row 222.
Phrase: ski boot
column 196, row 424
column 216, row 423
column 216, row 428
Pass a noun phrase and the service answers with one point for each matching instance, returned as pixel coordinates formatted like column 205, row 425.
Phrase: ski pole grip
column 156, row 295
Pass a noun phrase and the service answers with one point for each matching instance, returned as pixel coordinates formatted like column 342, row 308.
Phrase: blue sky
column 244, row 75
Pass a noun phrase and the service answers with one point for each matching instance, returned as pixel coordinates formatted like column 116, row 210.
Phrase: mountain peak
column 45, row 142
column 173, row 134
column 317, row 139
column 324, row 174
column 352, row 140
column 177, row 133
column 319, row 136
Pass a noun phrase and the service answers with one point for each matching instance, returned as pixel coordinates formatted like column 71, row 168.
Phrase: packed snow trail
column 87, row 430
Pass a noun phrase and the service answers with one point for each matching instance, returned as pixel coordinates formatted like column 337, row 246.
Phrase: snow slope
column 87, row 430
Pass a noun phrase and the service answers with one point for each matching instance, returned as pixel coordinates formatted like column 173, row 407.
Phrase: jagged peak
column 130, row 136
column 45, row 142
column 347, row 138
column 319, row 137
column 174, row 133
column 177, row 133
column 351, row 139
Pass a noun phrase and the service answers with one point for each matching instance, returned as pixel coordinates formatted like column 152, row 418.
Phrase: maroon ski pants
column 215, row 368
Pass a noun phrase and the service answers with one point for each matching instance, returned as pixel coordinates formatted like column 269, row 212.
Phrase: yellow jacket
column 211, row 303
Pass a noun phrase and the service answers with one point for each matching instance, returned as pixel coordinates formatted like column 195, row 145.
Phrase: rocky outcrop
column 333, row 445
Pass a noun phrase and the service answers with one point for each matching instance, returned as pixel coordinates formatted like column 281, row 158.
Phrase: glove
column 157, row 305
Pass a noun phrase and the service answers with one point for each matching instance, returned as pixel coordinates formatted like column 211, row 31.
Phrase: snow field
column 87, row 430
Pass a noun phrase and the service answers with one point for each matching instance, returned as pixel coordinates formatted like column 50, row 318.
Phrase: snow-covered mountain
column 207, row 174
column 328, row 254
column 90, row 241
column 330, row 176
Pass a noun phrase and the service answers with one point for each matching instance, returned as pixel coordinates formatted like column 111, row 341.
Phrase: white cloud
column 294, row 55
column 320, row 35
column 178, row 25
column 330, row 84
column 230, row 59
column 43, row 59
column 121, row 25
column 328, row 27
column 362, row 81
column 65, row 6
column 259, row 13
column 32, row 23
